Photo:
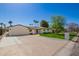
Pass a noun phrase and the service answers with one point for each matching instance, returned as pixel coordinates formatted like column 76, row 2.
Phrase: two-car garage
column 18, row 30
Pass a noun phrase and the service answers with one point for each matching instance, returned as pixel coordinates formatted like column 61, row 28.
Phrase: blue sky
column 26, row 13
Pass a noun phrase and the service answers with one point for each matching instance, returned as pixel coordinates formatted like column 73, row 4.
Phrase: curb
column 66, row 50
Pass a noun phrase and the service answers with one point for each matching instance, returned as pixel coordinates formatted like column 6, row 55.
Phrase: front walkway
column 31, row 46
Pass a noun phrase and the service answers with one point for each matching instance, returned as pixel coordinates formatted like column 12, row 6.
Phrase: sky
column 25, row 13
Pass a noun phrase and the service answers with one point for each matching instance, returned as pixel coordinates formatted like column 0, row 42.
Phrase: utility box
column 66, row 35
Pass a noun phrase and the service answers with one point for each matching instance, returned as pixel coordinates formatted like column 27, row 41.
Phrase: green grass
column 53, row 35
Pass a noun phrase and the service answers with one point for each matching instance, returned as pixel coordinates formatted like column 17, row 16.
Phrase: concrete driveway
column 30, row 46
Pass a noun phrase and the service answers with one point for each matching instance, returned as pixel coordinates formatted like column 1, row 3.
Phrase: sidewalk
column 67, row 50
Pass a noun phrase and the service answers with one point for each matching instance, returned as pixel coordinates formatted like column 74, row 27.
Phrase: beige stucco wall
column 18, row 30
column 33, row 31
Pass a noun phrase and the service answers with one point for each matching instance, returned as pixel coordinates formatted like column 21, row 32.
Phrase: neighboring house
column 38, row 30
column 18, row 30
column 35, row 30
column 43, row 29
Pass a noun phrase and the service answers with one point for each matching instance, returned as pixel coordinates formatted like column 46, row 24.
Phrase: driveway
column 30, row 46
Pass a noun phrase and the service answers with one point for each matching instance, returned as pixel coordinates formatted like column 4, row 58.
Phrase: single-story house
column 18, row 30
column 25, row 30
column 35, row 30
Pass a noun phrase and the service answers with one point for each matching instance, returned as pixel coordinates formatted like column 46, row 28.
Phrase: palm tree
column 10, row 22
column 4, row 27
column 1, row 28
column 31, row 24
column 35, row 21
column 1, row 24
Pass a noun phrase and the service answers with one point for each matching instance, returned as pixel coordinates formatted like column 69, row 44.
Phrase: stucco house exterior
column 18, row 30
column 35, row 30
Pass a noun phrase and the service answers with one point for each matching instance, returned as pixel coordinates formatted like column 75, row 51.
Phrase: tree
column 58, row 23
column 35, row 21
column 2, row 28
column 31, row 24
column 73, row 27
column 10, row 22
column 1, row 25
column 44, row 23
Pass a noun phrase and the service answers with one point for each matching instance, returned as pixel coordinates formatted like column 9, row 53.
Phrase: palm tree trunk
column 4, row 28
column 1, row 30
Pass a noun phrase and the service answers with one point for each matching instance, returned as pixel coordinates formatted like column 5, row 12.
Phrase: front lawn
column 53, row 35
